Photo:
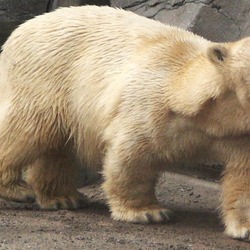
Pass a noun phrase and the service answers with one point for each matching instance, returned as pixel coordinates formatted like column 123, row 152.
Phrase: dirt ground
column 196, row 225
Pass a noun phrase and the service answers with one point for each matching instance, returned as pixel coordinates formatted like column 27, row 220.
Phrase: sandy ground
column 196, row 226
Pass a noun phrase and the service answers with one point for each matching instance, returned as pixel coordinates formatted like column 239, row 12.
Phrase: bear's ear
column 217, row 53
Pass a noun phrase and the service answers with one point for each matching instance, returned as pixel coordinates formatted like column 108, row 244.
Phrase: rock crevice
column 217, row 20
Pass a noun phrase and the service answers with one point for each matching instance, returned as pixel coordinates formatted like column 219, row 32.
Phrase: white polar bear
column 126, row 95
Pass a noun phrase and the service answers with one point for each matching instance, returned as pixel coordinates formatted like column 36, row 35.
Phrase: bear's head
column 214, row 89
column 237, row 60
column 225, row 107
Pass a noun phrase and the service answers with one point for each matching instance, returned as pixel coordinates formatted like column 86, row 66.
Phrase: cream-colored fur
column 127, row 96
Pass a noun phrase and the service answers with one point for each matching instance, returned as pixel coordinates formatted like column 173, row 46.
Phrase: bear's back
column 55, row 44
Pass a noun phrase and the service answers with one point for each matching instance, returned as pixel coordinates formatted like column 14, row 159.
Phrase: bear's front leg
column 236, row 198
column 130, row 179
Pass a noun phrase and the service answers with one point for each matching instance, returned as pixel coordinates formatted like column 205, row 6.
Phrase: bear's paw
column 69, row 202
column 17, row 192
column 143, row 215
column 239, row 232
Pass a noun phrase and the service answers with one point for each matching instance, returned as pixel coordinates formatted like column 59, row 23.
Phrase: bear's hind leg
column 53, row 179
column 15, row 154
column 130, row 188
column 13, row 188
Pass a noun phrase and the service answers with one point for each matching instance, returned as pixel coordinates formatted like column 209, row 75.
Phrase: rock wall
column 217, row 20
column 64, row 3
column 14, row 12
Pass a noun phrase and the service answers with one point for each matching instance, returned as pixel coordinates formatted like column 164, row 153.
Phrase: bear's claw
column 144, row 216
column 18, row 192
column 64, row 202
column 238, row 232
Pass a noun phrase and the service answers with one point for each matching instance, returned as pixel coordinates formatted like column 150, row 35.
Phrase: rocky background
column 217, row 20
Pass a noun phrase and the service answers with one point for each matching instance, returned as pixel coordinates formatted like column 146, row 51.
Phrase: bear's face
column 225, row 110
column 240, row 64
column 233, row 62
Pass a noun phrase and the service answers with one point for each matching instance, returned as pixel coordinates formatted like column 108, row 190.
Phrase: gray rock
column 217, row 20
column 228, row 20
column 66, row 3
column 22, row 9
column 14, row 12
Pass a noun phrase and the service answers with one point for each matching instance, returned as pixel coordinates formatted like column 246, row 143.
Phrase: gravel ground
column 196, row 225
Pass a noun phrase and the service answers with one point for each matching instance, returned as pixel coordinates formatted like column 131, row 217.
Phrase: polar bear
column 111, row 91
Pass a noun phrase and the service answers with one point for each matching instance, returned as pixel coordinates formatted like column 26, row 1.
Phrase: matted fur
column 127, row 96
